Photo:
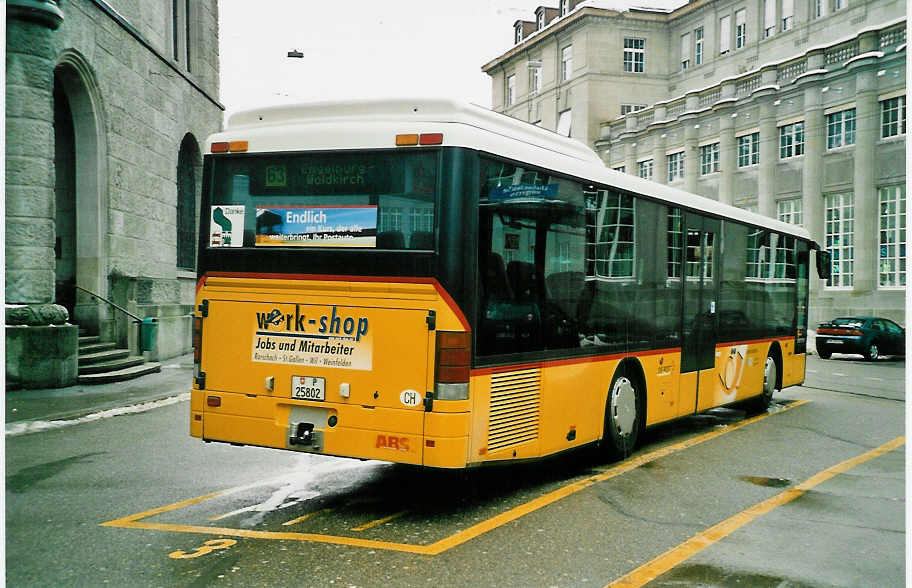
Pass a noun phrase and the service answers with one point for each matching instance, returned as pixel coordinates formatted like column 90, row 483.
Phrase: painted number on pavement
column 207, row 547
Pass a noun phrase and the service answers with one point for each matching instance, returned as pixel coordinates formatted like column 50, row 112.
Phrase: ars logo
column 392, row 442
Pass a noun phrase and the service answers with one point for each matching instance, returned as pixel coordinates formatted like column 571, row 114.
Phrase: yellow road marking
column 305, row 517
column 378, row 522
column 135, row 521
column 671, row 558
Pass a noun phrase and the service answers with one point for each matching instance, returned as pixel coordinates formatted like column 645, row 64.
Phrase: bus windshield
column 363, row 199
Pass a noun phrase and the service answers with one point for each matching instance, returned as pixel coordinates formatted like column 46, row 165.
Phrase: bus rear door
column 701, row 288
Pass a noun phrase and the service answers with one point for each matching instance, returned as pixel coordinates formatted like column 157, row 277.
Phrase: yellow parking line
column 561, row 493
column 671, row 558
column 373, row 524
column 305, row 517
column 135, row 521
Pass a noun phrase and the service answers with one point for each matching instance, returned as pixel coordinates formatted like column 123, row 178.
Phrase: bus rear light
column 431, row 139
column 452, row 365
column 197, row 339
column 219, row 147
column 405, row 140
column 235, row 146
column 213, row 401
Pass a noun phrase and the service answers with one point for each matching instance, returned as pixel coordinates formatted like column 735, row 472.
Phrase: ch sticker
column 207, row 547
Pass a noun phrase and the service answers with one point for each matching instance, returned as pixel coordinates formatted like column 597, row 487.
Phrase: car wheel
column 872, row 353
column 622, row 416
column 824, row 353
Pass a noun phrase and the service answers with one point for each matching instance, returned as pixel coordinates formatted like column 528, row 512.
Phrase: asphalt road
column 793, row 497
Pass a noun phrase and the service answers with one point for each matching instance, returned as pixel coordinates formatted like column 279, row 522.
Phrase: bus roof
column 373, row 124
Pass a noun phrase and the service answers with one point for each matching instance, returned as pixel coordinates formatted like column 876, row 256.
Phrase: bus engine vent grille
column 515, row 400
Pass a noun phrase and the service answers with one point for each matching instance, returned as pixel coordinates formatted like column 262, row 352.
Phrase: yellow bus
column 432, row 283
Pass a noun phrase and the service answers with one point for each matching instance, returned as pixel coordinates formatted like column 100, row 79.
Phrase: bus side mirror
column 824, row 264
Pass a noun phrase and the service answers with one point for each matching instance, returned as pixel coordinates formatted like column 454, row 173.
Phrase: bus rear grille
column 515, row 399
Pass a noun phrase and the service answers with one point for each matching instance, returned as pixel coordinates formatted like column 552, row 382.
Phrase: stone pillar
column 691, row 154
column 812, row 174
column 630, row 156
column 865, row 193
column 659, row 164
column 769, row 157
column 30, row 56
column 728, row 154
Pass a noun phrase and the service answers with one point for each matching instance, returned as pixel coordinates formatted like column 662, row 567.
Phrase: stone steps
column 101, row 362
column 121, row 374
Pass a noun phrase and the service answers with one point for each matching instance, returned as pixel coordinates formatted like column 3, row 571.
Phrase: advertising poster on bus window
column 316, row 226
column 226, row 226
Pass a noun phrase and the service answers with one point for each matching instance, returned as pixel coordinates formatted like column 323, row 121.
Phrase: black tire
column 770, row 384
column 872, row 352
column 623, row 416
column 824, row 353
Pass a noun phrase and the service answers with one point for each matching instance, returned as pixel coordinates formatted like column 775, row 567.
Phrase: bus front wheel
column 622, row 416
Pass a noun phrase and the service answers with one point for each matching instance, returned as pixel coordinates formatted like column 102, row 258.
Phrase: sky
column 364, row 48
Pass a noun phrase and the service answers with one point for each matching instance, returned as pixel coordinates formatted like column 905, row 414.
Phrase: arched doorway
column 65, row 199
column 189, row 173
column 81, row 191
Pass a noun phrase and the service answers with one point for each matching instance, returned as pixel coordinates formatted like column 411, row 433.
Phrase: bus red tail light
column 452, row 365
column 197, row 338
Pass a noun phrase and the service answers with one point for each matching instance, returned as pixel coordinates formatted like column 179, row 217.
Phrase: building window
column 564, row 7
column 709, row 159
column 676, row 166
column 612, row 247
column 685, row 51
column 564, row 121
column 769, row 18
column 749, row 150
column 511, row 90
column 517, row 34
column 724, row 35
column 698, row 46
column 839, row 4
column 628, row 108
column 634, row 55
column 788, row 14
column 620, row 168
column 675, row 232
column 566, row 63
column 893, row 117
column 534, row 80
column 740, row 28
column 840, row 128
column 789, row 211
column 892, row 272
column 540, row 20
column 644, row 169
column 840, row 238
column 791, row 140
column 819, row 8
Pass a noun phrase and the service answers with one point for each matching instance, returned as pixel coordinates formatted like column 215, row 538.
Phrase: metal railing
column 136, row 320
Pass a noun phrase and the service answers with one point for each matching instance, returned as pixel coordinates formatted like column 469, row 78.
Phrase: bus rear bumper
column 408, row 436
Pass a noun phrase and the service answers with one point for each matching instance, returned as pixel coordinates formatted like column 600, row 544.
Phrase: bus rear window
column 378, row 200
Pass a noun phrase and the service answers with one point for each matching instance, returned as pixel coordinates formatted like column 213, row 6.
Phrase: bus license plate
column 308, row 388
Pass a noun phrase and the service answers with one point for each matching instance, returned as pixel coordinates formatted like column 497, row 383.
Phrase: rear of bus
column 327, row 315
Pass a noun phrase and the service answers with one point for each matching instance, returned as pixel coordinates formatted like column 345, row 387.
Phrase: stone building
column 107, row 103
column 792, row 109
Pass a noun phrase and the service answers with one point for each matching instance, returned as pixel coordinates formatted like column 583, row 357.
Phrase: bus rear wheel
column 623, row 416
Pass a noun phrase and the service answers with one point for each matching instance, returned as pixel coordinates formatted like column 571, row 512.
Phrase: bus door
column 700, row 297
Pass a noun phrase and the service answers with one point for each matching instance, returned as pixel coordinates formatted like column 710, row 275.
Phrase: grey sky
column 364, row 48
